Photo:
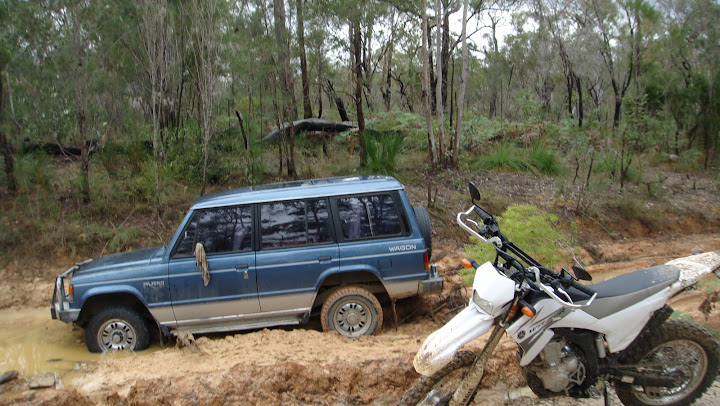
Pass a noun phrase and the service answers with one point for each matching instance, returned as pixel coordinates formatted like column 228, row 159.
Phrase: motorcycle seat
column 626, row 290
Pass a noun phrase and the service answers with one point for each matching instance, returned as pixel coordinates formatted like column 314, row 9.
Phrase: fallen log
column 309, row 124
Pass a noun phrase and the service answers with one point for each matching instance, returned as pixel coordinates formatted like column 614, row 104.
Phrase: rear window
column 296, row 223
column 373, row 216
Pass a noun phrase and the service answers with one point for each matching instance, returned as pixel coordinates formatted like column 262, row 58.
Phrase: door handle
column 244, row 268
column 324, row 259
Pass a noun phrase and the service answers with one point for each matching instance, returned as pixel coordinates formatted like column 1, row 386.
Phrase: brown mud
column 279, row 366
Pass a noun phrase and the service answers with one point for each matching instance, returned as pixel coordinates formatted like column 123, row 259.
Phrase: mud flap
column 440, row 347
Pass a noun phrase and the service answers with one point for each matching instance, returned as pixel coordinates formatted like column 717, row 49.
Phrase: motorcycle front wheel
column 676, row 349
column 438, row 388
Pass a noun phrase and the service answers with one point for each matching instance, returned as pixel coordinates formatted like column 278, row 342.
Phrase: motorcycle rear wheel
column 438, row 388
column 677, row 348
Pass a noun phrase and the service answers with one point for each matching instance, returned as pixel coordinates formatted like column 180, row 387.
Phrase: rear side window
column 296, row 223
column 373, row 216
column 219, row 230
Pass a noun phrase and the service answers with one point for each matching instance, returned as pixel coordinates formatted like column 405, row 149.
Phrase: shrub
column 382, row 149
column 505, row 157
column 545, row 160
column 531, row 229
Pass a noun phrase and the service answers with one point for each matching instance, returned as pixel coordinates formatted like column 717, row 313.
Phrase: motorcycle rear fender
column 440, row 347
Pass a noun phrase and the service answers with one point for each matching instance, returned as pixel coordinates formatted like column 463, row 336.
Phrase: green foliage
column 545, row 160
column 508, row 157
column 478, row 128
column 33, row 170
column 411, row 125
column 505, row 157
column 531, row 229
column 382, row 149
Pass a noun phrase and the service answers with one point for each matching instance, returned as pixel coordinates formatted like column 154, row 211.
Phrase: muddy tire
column 679, row 349
column 352, row 312
column 423, row 219
column 117, row 328
column 438, row 388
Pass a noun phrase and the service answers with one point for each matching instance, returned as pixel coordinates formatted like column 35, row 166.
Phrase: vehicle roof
column 299, row 189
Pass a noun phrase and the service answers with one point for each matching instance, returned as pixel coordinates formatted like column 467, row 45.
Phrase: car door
column 231, row 292
column 296, row 247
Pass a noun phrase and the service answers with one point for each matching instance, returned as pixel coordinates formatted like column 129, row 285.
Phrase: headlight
column 481, row 303
column 69, row 290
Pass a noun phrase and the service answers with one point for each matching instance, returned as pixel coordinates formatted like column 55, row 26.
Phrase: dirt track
column 298, row 366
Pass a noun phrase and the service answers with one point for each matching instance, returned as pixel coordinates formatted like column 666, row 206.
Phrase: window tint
column 223, row 229
column 369, row 216
column 288, row 224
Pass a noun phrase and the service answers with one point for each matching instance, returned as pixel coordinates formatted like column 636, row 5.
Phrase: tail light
column 426, row 259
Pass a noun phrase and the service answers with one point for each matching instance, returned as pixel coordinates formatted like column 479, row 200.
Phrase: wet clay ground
column 283, row 366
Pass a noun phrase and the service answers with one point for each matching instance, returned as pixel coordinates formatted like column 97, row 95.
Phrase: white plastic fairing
column 493, row 287
column 496, row 291
column 440, row 347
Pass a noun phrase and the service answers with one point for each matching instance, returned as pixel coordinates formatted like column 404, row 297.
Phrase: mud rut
column 289, row 366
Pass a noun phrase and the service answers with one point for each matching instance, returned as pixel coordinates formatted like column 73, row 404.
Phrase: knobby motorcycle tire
column 668, row 332
column 424, row 384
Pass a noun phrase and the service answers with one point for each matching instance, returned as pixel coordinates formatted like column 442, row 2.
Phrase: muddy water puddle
column 32, row 343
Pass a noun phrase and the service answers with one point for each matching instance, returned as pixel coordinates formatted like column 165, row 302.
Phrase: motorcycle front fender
column 440, row 347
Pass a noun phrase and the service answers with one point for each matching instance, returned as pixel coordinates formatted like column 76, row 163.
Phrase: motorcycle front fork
column 464, row 393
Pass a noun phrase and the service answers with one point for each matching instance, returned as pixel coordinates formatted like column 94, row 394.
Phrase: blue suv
column 260, row 256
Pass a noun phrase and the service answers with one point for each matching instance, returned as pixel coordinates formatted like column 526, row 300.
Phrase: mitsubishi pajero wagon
column 260, row 256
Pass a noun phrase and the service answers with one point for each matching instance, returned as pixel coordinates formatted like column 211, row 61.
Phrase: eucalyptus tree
column 287, row 84
column 300, row 32
column 154, row 31
column 206, row 33
column 463, row 85
column 6, row 56
column 80, row 67
column 687, row 78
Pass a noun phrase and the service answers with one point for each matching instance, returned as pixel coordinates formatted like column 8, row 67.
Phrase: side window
column 219, row 230
column 372, row 216
column 290, row 224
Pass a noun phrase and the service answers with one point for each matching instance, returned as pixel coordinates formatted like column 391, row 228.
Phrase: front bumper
column 60, row 308
column 66, row 315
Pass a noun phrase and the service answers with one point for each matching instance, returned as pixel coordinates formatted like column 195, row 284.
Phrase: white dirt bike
column 573, row 338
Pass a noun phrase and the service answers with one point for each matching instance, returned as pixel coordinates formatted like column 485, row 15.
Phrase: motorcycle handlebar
column 553, row 290
column 582, row 288
column 461, row 218
column 486, row 218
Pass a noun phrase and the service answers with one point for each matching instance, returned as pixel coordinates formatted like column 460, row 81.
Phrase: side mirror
column 581, row 273
column 474, row 192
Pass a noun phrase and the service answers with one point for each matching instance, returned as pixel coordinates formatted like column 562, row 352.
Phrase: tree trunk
column 319, row 83
column 6, row 149
column 461, row 92
column 357, row 62
column 339, row 104
column 387, row 91
column 288, row 106
column 84, row 153
column 581, row 112
column 439, row 105
column 426, row 86
column 79, row 55
column 307, row 107
column 445, row 50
